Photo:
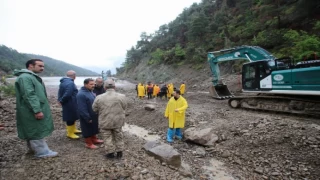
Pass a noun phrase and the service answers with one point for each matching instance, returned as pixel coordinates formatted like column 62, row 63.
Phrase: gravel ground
column 252, row 145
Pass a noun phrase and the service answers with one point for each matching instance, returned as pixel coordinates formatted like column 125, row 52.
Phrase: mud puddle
column 140, row 132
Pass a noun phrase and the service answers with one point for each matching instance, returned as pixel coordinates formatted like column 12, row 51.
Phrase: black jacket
column 99, row 90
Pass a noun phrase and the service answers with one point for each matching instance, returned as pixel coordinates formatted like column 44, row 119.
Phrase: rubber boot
column 89, row 143
column 75, row 130
column 41, row 149
column 70, row 133
column 178, row 133
column 95, row 140
column 170, row 135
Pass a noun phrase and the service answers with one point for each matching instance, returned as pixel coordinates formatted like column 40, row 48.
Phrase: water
column 140, row 132
column 55, row 81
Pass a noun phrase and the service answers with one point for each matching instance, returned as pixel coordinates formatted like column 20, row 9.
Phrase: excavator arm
column 250, row 53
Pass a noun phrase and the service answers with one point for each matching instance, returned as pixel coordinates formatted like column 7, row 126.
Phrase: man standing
column 88, row 118
column 98, row 88
column 33, row 114
column 149, row 90
column 175, row 112
column 111, row 107
column 182, row 88
column 67, row 97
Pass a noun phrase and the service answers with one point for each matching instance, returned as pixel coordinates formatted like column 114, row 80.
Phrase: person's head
column 99, row 82
column 176, row 93
column 71, row 74
column 35, row 65
column 89, row 84
column 109, row 84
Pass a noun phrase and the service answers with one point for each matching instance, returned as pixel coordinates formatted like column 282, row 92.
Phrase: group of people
column 158, row 91
column 92, row 105
column 97, row 105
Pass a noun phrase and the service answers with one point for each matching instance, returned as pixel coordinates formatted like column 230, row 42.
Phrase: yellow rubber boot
column 75, row 130
column 71, row 133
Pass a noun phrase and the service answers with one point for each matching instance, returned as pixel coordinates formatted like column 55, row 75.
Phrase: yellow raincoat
column 176, row 119
column 156, row 90
column 141, row 90
column 182, row 89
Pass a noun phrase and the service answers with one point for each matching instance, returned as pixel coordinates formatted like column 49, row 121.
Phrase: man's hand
column 39, row 115
column 90, row 121
column 59, row 103
column 176, row 110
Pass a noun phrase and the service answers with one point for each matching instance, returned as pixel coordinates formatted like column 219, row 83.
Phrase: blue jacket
column 85, row 100
column 67, row 96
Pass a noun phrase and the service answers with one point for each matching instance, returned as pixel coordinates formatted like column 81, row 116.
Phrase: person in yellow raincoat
column 175, row 113
column 182, row 88
column 141, row 91
column 156, row 90
column 170, row 89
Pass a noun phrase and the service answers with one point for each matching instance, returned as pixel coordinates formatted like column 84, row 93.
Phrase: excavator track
column 309, row 106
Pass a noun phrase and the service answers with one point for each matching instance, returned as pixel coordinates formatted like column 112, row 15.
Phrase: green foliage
column 300, row 44
column 8, row 90
column 213, row 25
column 157, row 56
column 11, row 59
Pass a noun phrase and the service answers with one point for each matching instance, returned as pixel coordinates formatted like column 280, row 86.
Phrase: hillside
column 283, row 27
column 11, row 59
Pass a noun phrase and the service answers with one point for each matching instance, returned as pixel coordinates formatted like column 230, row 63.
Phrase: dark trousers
column 70, row 123
column 149, row 95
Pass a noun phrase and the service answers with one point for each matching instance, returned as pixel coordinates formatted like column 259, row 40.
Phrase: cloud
column 80, row 32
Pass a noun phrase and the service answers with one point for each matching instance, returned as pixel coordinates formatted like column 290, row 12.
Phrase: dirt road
column 252, row 145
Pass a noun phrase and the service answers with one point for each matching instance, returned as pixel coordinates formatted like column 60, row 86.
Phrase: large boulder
column 149, row 107
column 204, row 137
column 163, row 152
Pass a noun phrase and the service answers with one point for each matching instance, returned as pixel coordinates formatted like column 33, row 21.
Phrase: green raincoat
column 31, row 98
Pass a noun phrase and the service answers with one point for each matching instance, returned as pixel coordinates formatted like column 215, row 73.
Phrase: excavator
column 268, row 83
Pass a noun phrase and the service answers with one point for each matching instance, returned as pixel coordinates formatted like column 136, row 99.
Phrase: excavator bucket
column 220, row 92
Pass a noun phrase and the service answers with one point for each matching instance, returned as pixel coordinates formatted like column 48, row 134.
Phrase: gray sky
column 85, row 33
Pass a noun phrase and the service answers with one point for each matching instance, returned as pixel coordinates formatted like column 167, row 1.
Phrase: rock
column 149, row 107
column 275, row 174
column 259, row 170
column 226, row 154
column 163, row 152
column 293, row 168
column 204, row 137
column 144, row 171
column 20, row 170
column 135, row 177
column 185, row 170
column 201, row 151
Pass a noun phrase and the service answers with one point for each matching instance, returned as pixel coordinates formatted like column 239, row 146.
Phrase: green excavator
column 269, row 83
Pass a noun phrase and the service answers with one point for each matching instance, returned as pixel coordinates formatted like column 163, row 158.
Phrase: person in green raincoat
column 33, row 114
column 175, row 113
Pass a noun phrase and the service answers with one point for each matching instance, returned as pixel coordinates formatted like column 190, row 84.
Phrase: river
column 55, row 81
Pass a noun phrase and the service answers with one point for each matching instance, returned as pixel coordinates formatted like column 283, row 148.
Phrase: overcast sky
column 82, row 32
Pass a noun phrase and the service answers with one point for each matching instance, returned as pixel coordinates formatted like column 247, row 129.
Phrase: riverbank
column 251, row 145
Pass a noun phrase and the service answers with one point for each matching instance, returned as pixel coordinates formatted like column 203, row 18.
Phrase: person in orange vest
column 156, row 90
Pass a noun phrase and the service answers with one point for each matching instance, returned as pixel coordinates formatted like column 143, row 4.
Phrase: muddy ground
column 252, row 145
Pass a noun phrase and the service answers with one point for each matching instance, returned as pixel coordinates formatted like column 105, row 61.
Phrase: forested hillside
column 284, row 27
column 11, row 59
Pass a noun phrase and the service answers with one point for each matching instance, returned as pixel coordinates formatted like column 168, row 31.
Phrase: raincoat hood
column 17, row 72
column 66, row 79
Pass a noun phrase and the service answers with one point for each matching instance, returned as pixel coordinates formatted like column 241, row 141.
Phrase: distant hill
column 11, row 59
